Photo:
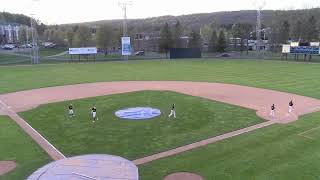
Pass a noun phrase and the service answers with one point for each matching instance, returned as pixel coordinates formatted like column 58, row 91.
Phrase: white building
column 10, row 32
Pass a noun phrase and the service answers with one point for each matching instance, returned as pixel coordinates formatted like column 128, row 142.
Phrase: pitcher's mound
column 7, row 166
column 183, row 176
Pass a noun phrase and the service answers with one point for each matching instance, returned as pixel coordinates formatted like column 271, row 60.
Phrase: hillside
column 217, row 18
column 6, row 17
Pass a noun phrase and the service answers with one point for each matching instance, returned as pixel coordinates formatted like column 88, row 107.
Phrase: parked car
column 49, row 45
column 25, row 46
column 8, row 47
column 139, row 53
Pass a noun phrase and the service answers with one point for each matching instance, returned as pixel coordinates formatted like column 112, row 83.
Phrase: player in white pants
column 173, row 111
column 94, row 114
column 290, row 108
column 273, row 111
column 71, row 112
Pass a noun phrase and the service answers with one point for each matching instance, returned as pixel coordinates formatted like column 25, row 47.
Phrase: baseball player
column 290, row 109
column 173, row 111
column 273, row 111
column 94, row 114
column 71, row 112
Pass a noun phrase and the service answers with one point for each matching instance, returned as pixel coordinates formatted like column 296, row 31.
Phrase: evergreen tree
column 284, row 32
column 165, row 39
column 178, row 32
column 222, row 44
column 312, row 33
column 195, row 40
column 213, row 42
column 297, row 31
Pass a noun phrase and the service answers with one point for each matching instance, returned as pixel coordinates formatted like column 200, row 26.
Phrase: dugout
column 180, row 53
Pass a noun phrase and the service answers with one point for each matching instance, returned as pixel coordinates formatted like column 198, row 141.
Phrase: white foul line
column 12, row 113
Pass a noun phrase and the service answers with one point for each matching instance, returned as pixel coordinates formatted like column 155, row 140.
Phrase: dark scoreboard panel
column 305, row 50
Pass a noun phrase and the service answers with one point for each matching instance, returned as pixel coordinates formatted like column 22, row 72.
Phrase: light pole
column 35, row 58
column 123, row 6
column 35, row 48
column 259, row 4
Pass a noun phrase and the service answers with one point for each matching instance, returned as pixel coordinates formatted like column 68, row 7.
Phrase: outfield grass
column 197, row 119
column 296, row 78
column 51, row 51
column 8, row 59
column 274, row 153
column 16, row 146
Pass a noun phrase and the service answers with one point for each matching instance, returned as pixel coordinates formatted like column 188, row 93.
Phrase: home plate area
column 88, row 167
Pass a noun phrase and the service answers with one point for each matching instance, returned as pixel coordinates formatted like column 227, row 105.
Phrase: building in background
column 147, row 42
column 10, row 32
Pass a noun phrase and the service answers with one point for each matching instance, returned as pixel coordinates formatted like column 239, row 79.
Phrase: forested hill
column 6, row 17
column 216, row 18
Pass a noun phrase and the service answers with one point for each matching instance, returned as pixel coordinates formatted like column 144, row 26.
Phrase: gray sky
column 69, row 11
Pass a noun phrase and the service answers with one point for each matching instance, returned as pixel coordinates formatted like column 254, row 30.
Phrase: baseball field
column 216, row 102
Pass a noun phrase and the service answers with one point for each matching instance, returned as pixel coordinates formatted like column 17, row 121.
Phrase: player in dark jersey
column 94, row 114
column 273, row 111
column 71, row 112
column 290, row 109
column 173, row 111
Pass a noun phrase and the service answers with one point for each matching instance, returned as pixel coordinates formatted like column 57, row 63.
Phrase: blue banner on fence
column 126, row 46
column 305, row 50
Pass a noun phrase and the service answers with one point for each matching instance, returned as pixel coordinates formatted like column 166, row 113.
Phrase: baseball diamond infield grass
column 277, row 152
column 16, row 146
column 197, row 119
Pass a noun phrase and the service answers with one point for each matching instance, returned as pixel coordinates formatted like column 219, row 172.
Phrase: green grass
column 51, row 51
column 296, row 78
column 274, row 153
column 197, row 119
column 16, row 146
column 8, row 59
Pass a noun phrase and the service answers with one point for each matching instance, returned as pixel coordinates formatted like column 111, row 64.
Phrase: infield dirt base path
column 248, row 97
column 6, row 167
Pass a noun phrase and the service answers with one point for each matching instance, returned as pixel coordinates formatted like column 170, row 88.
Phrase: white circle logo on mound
column 138, row 113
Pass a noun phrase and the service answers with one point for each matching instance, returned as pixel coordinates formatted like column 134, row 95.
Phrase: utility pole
column 35, row 59
column 124, row 6
column 259, row 4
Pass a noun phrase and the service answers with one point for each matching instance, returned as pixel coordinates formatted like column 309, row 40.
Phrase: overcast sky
column 70, row 11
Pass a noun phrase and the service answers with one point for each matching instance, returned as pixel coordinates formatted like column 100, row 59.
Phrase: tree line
column 172, row 37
